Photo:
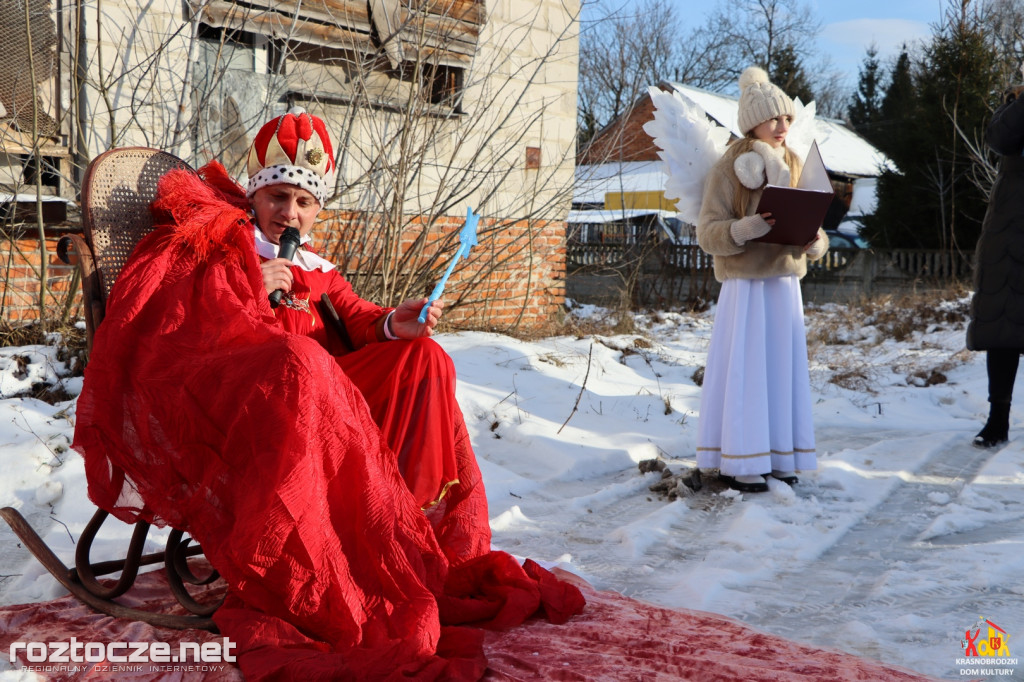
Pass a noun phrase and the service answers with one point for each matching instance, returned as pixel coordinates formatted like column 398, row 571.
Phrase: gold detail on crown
column 315, row 156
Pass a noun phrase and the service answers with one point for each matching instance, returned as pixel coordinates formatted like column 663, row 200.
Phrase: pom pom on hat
column 293, row 149
column 753, row 75
column 760, row 99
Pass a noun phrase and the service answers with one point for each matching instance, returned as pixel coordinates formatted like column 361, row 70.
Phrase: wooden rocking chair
column 118, row 188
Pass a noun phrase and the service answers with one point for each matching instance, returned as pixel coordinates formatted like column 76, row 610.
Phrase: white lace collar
column 307, row 260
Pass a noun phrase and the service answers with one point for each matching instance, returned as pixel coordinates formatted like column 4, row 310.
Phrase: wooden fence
column 675, row 274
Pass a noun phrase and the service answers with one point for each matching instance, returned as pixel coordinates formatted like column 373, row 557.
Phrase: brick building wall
column 624, row 138
column 524, row 291
column 513, row 279
column 19, row 289
column 510, row 149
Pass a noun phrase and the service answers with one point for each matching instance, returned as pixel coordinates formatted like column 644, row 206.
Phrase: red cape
column 201, row 412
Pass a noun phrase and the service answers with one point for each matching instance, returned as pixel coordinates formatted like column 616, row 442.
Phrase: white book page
column 814, row 176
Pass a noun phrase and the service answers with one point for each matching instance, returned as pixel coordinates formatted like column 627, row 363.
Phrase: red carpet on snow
column 616, row 638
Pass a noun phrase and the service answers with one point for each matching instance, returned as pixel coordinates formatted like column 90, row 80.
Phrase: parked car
column 840, row 240
column 848, row 231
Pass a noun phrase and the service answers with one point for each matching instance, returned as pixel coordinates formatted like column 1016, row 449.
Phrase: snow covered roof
column 843, row 151
column 24, row 198
column 593, row 181
column 609, row 215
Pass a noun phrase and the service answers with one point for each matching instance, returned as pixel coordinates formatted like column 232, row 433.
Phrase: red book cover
column 798, row 211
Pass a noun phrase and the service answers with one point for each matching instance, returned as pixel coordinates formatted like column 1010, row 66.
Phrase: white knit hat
column 760, row 100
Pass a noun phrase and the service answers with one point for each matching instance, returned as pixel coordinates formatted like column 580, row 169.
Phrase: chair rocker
column 118, row 187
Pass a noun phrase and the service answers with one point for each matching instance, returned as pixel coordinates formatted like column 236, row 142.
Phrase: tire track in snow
column 878, row 571
column 620, row 535
column 853, row 596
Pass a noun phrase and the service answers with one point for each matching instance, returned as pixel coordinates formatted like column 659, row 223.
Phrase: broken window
column 28, row 97
column 357, row 50
column 27, row 76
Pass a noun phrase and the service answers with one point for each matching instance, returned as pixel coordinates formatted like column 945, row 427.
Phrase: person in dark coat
column 997, row 308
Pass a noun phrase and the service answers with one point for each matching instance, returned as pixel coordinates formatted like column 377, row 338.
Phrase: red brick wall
column 624, row 139
column 527, row 289
column 19, row 289
column 526, row 292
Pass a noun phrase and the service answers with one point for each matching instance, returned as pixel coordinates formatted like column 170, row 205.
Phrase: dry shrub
column 625, row 324
column 70, row 342
column 69, row 337
column 12, row 335
column 49, row 393
column 926, row 378
column 859, row 379
column 898, row 317
column 894, row 317
column 568, row 325
column 845, row 338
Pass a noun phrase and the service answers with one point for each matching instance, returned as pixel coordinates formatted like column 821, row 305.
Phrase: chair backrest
column 118, row 187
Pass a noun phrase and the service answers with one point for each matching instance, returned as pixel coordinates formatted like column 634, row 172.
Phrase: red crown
column 295, row 139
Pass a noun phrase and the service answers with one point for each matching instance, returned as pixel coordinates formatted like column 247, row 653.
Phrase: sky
column 904, row 539
column 849, row 26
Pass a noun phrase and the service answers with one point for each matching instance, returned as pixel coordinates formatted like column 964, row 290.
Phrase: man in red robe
column 409, row 386
column 303, row 468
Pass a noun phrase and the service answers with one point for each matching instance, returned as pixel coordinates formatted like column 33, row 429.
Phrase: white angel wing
column 802, row 132
column 690, row 145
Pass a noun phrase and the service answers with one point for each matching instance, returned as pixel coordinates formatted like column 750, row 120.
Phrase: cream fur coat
column 753, row 260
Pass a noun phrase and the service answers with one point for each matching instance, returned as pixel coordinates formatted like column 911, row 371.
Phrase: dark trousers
column 1002, row 370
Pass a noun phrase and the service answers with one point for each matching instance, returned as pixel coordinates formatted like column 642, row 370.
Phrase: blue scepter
column 467, row 240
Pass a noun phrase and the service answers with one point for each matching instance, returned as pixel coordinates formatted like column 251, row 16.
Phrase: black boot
column 997, row 429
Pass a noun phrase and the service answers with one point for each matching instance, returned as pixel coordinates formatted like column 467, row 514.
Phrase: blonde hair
column 744, row 144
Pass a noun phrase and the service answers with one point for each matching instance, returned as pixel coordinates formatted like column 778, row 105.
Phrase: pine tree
column 931, row 202
column 788, row 73
column 899, row 105
column 866, row 105
column 967, row 74
column 897, row 135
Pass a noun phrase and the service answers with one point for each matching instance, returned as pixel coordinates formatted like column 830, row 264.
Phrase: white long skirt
column 755, row 407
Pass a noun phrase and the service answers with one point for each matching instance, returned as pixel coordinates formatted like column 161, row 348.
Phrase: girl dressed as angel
column 755, row 414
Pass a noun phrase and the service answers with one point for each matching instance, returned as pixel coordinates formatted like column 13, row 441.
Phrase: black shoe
column 988, row 440
column 745, row 484
column 787, row 477
column 997, row 428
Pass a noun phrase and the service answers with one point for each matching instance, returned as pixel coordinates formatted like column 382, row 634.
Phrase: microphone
column 288, row 244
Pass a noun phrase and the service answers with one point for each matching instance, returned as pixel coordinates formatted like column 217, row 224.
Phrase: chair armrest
column 72, row 249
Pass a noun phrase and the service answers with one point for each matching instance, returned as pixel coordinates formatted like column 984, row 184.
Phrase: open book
column 798, row 211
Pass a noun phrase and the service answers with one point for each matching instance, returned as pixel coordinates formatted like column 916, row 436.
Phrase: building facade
column 435, row 106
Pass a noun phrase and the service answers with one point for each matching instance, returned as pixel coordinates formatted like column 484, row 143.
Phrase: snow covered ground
column 903, row 540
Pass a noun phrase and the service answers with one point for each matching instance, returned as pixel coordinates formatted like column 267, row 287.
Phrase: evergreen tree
column 897, row 134
column 866, row 106
column 788, row 73
column 931, row 202
column 899, row 106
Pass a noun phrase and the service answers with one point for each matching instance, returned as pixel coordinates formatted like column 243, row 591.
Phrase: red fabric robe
column 408, row 385
column 201, row 410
